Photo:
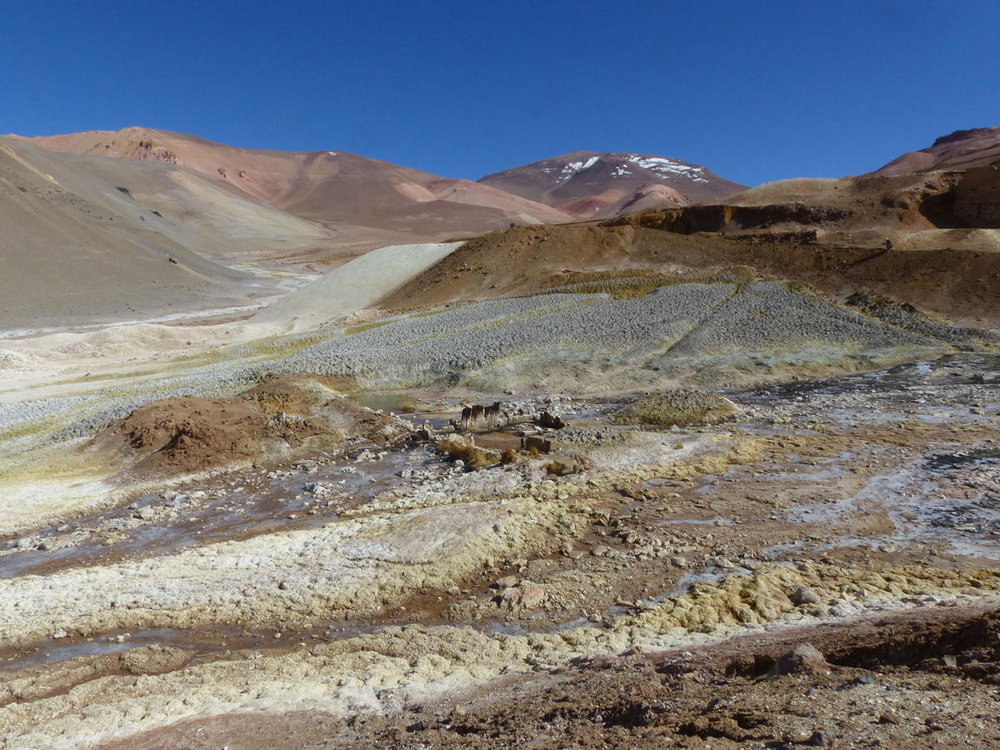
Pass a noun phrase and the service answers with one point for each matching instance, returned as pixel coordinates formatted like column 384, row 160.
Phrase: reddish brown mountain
column 962, row 149
column 329, row 187
column 592, row 184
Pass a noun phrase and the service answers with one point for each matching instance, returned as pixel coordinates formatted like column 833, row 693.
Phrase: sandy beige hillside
column 205, row 214
column 80, row 248
column 219, row 221
column 331, row 187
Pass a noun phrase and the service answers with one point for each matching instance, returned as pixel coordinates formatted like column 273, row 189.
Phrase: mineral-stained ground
column 656, row 473
column 816, row 564
column 664, row 481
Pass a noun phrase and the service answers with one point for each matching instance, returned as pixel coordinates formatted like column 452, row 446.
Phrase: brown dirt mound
column 179, row 435
column 278, row 417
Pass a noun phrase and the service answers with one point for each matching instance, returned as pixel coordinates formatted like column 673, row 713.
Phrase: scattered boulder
column 424, row 433
column 535, row 444
column 862, row 679
column 153, row 660
column 525, row 595
column 803, row 658
column 467, row 453
column 802, row 595
column 550, row 421
column 562, row 468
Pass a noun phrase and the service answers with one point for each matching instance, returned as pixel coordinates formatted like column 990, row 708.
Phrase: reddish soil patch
column 189, row 434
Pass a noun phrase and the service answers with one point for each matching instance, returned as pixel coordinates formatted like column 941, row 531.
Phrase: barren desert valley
column 304, row 450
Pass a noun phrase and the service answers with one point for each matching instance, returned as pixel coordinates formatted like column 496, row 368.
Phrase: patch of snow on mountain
column 668, row 167
column 621, row 170
column 573, row 167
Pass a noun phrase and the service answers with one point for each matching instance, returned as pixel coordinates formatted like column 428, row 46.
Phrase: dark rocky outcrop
column 977, row 198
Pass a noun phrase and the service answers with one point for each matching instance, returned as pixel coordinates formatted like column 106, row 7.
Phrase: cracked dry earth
column 661, row 595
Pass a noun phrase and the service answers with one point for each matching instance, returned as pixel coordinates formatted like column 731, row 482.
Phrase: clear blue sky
column 757, row 90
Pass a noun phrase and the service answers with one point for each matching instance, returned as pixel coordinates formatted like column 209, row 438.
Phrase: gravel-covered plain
column 677, row 321
column 515, row 337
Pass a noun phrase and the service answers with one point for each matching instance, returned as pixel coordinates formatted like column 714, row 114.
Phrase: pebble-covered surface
column 898, row 315
column 768, row 314
column 475, row 335
column 665, row 330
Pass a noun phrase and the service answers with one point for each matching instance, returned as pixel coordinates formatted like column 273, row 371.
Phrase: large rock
column 803, row 658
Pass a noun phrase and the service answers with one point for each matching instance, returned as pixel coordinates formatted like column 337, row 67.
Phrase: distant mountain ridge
column 140, row 223
column 597, row 185
column 336, row 186
column 963, row 149
column 328, row 187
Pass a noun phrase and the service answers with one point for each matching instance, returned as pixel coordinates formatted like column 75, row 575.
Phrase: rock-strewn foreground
column 710, row 476
column 331, row 575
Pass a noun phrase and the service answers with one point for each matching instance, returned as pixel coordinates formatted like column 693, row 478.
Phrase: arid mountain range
column 176, row 220
column 335, row 188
